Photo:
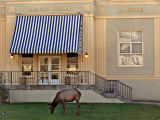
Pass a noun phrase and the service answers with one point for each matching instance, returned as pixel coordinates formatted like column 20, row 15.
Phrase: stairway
column 112, row 89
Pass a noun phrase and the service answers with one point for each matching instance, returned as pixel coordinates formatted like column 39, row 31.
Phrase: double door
column 49, row 67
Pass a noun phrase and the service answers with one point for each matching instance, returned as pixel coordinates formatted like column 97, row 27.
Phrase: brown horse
column 63, row 96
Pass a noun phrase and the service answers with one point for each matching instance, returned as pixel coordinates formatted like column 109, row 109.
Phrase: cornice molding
column 47, row 2
column 126, row 2
column 127, row 16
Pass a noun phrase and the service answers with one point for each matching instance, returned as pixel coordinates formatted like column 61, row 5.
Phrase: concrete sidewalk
column 150, row 103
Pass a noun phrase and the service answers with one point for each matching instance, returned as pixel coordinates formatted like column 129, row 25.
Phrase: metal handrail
column 45, row 78
column 114, row 87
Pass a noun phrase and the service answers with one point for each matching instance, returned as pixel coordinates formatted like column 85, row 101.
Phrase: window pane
column 55, row 60
column 44, row 60
column 72, row 60
column 27, row 60
column 124, row 48
column 27, row 67
column 55, row 67
column 137, row 48
column 130, row 60
column 72, row 63
column 44, row 68
column 136, row 36
column 72, row 66
column 124, row 36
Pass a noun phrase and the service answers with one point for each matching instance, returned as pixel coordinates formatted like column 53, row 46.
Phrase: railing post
column 89, row 76
column 37, row 77
column 131, row 94
column 11, row 77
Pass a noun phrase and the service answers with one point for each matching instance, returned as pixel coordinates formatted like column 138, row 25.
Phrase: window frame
column 32, row 69
column 130, row 42
column 72, row 63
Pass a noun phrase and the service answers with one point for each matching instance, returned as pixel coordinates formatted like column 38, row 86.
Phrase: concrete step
column 110, row 95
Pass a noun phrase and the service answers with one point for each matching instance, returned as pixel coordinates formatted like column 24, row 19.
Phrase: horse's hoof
column 63, row 113
column 77, row 114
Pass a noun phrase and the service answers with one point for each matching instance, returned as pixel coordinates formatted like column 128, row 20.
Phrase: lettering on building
column 36, row 9
column 67, row 8
column 130, row 10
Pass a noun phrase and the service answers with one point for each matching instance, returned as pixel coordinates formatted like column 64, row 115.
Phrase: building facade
column 121, row 39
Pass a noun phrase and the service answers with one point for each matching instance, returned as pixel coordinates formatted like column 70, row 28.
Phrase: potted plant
column 3, row 92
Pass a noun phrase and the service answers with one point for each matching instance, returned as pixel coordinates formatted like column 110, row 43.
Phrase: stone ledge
column 47, row 87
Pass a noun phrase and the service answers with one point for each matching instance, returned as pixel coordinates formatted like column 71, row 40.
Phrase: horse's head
column 51, row 107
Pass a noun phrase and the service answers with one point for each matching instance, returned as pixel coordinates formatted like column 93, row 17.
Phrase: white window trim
column 49, row 68
column 49, row 62
column 118, row 46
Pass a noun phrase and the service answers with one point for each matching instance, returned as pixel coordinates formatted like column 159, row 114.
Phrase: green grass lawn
column 40, row 111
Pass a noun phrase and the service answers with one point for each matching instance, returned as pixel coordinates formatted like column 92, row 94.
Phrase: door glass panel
column 44, row 60
column 44, row 64
column 55, row 61
column 55, row 67
column 44, row 68
column 49, row 70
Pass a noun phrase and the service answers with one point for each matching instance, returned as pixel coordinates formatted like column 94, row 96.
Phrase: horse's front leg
column 63, row 105
column 77, row 101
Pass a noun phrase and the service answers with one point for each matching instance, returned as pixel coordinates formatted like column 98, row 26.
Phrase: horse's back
column 69, row 95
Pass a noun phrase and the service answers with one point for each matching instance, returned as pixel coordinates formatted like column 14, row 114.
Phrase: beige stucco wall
column 157, row 44
column 2, row 44
column 144, row 89
column 145, row 86
column 11, row 65
column 100, row 47
column 88, row 96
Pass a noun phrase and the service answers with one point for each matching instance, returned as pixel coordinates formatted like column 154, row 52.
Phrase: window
column 27, row 64
column 130, row 48
column 72, row 61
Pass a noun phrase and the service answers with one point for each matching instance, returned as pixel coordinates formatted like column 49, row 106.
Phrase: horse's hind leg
column 77, row 101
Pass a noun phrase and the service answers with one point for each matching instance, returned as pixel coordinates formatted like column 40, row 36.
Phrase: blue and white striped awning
column 47, row 34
